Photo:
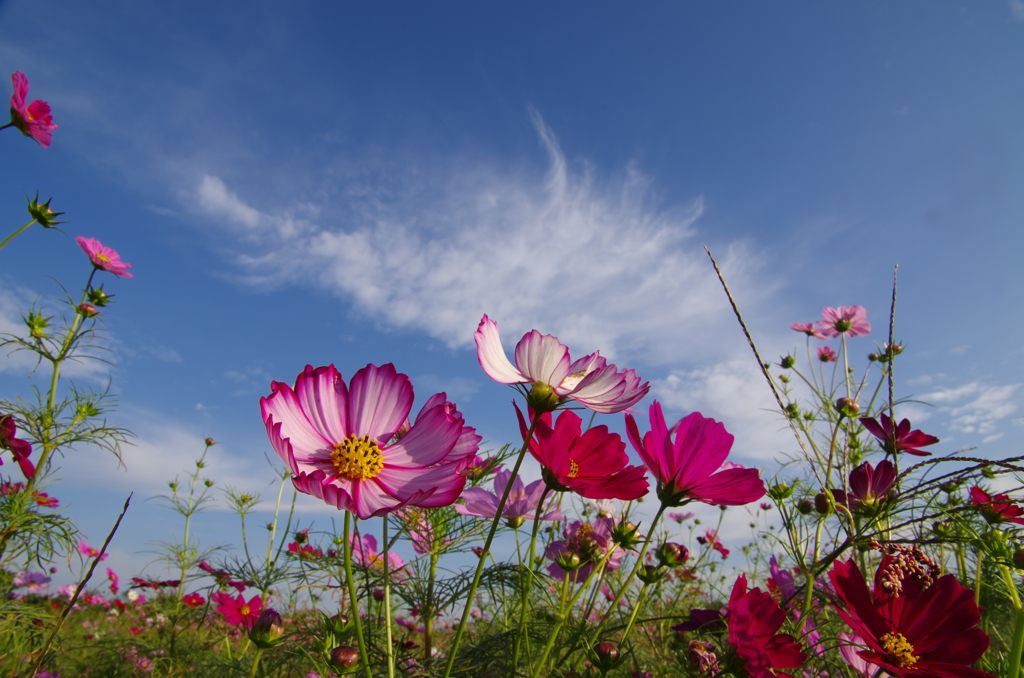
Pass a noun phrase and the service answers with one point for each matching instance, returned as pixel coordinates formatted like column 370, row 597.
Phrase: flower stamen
column 574, row 469
column 357, row 458
column 898, row 650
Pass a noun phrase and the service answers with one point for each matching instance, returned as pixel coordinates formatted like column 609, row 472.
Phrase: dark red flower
column 20, row 449
column 753, row 619
column 868, row 485
column 997, row 509
column 929, row 630
column 895, row 439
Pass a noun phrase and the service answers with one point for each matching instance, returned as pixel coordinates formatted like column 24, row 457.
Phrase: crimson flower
column 711, row 540
column 353, row 446
column 235, row 610
column 753, row 619
column 810, row 329
column 868, row 485
column 997, row 509
column 33, row 119
column 693, row 466
column 849, row 320
column 307, row 551
column 104, row 258
column 930, row 630
column 895, row 439
column 592, row 464
column 827, row 355
column 543, row 363
column 19, row 449
column 522, row 501
column 193, row 600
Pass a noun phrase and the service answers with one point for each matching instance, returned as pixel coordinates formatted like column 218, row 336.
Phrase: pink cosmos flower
column 193, row 600
column 421, row 531
column 591, row 542
column 365, row 553
column 353, row 446
column 90, row 552
column 693, row 466
column 895, row 439
column 849, row 645
column 711, row 540
column 103, row 257
column 592, row 464
column 35, row 582
column 997, row 509
column 522, row 501
column 33, row 119
column 827, row 355
column 235, row 610
column 810, row 329
column 115, row 581
column 679, row 517
column 849, row 320
column 868, row 485
column 753, row 619
column 543, row 363
column 20, row 449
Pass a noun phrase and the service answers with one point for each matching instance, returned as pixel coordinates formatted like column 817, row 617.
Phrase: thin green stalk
column 364, row 653
column 428, row 611
column 256, row 662
column 640, row 600
column 388, row 650
column 809, row 575
column 1017, row 644
column 977, row 579
column 524, row 600
column 453, row 652
column 18, row 232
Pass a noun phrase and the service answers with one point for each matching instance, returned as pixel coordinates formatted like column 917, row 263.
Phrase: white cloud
column 599, row 264
column 976, row 407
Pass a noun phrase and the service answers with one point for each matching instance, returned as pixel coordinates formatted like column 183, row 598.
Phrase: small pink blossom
column 711, row 540
column 33, row 119
column 522, row 501
column 237, row 611
column 90, row 552
column 35, row 582
column 103, row 257
column 193, row 600
column 114, row 580
column 895, row 439
column 810, row 329
column 849, row 320
column 827, row 355
column 543, row 363
column 19, row 449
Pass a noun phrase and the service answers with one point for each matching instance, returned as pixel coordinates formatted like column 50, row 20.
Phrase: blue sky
column 343, row 183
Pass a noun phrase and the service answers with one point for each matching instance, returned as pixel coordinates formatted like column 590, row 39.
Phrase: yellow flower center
column 574, row 469
column 357, row 458
column 244, row 610
column 585, row 527
column 898, row 650
column 103, row 258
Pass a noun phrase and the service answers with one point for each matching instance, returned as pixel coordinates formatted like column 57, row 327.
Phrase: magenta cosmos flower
column 19, row 448
column 590, row 542
column 103, row 257
column 33, row 119
column 810, row 329
column 522, row 501
column 593, row 464
column 354, row 447
column 929, row 631
column 827, row 355
column 997, row 509
column 543, row 363
column 869, row 486
column 895, row 439
column 693, row 466
column 753, row 619
column 236, row 611
column 849, row 320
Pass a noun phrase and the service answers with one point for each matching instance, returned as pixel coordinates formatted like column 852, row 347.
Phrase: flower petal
column 379, row 402
column 492, row 356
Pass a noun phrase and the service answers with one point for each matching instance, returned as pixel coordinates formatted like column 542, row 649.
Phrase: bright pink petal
column 322, row 397
column 379, row 402
column 428, row 442
column 492, row 356
column 732, row 487
column 284, row 407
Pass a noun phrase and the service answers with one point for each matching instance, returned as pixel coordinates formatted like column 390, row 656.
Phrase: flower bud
column 344, row 658
column 672, row 555
column 98, row 297
column 780, row 491
column 823, row 503
column 847, row 407
column 607, row 656
column 210, row 442
column 943, row 528
column 649, row 574
column 1018, row 559
column 873, row 357
column 478, row 550
column 339, row 623
column 302, row 536
column 378, row 594
column 542, row 398
column 626, row 534
column 805, row 506
column 787, row 362
column 515, row 521
column 792, row 410
column 41, row 212
column 37, row 325
column 267, row 630
column 87, row 310
column 570, row 562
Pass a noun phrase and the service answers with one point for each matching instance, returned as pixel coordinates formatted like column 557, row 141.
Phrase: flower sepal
column 42, row 213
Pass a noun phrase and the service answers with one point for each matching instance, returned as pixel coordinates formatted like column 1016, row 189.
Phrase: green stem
column 364, row 653
column 453, row 652
column 388, row 650
column 524, row 601
column 20, row 230
column 809, row 575
column 977, row 579
column 256, row 662
column 640, row 599
column 1017, row 644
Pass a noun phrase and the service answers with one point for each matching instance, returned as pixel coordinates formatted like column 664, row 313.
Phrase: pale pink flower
column 365, row 553
column 810, row 329
column 543, row 363
column 35, row 582
column 352, row 446
column 33, row 119
column 103, row 257
column 849, row 320
column 827, row 355
column 522, row 501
